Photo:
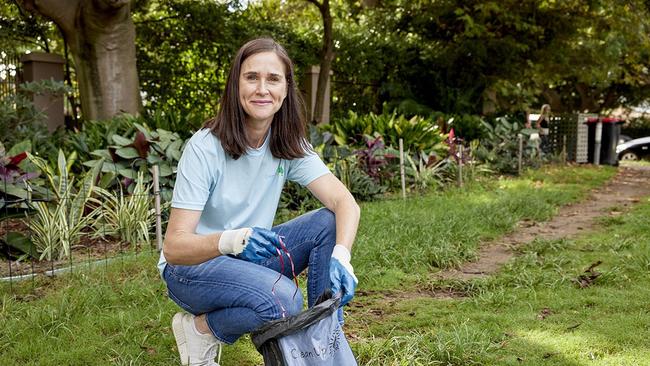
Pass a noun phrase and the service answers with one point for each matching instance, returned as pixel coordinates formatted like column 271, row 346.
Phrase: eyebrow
column 255, row 73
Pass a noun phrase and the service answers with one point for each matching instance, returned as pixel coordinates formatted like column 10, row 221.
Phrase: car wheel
column 629, row 155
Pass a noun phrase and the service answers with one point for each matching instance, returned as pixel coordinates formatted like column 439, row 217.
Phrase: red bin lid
column 605, row 120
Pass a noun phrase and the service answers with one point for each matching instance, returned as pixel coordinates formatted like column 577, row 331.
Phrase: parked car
column 634, row 149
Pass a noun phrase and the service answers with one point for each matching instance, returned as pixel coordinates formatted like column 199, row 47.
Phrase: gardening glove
column 342, row 278
column 250, row 244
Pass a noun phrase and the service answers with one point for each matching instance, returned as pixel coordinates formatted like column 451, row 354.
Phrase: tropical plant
column 96, row 134
column 183, row 123
column 375, row 158
column 14, row 175
column 424, row 176
column 58, row 224
column 19, row 182
column 346, row 167
column 128, row 217
column 418, row 133
column 500, row 148
column 345, row 164
column 469, row 127
column 138, row 152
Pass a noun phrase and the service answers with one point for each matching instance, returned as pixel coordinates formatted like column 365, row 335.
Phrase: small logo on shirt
column 280, row 170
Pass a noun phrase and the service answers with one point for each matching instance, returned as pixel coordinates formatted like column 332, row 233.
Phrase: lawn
column 532, row 312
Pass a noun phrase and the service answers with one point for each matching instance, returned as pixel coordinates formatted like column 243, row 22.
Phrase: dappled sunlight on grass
column 578, row 174
column 581, row 348
column 637, row 163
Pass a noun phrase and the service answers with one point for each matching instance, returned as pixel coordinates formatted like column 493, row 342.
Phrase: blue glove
column 250, row 244
column 342, row 278
column 261, row 244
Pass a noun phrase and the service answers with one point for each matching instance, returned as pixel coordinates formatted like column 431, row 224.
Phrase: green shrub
column 468, row 127
column 137, row 151
column 500, row 146
column 95, row 135
column 185, row 124
column 58, row 224
column 128, row 217
column 418, row 133
column 17, row 175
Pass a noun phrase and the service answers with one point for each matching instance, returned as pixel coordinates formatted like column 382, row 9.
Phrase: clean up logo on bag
column 333, row 345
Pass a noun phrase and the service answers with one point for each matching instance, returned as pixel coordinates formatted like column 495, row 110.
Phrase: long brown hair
column 287, row 139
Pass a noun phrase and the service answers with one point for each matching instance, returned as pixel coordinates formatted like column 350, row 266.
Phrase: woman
column 221, row 258
column 542, row 125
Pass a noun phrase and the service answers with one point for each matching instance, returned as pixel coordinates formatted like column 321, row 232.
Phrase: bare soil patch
column 626, row 188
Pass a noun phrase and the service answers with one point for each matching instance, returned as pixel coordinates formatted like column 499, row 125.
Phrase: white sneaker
column 195, row 349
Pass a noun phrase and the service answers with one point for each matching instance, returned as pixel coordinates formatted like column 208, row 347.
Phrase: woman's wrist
column 233, row 241
column 342, row 253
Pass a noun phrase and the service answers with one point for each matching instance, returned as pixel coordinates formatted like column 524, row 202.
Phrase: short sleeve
column 306, row 169
column 194, row 176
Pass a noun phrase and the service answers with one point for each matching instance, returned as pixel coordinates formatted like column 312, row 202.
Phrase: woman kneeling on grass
column 221, row 257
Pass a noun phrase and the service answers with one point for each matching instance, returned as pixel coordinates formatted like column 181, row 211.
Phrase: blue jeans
column 237, row 295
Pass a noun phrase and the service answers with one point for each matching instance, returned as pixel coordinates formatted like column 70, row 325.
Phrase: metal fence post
column 156, row 193
column 520, row 137
column 401, row 167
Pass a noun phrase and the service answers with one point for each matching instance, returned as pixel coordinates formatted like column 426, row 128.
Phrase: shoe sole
column 181, row 342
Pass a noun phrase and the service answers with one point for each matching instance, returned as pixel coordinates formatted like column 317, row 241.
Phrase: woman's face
column 262, row 86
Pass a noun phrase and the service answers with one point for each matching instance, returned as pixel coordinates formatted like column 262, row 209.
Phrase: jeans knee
column 293, row 303
column 286, row 297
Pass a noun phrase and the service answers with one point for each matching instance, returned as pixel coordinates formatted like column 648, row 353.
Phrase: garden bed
column 92, row 250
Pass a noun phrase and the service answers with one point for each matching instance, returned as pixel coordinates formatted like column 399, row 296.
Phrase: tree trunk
column 101, row 36
column 327, row 55
column 587, row 100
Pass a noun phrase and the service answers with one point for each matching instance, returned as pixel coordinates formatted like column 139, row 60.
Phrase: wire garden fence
column 71, row 229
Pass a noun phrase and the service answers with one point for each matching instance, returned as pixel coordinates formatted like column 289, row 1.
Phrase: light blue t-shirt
column 235, row 193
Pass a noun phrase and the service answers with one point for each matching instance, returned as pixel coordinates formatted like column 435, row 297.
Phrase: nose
column 262, row 88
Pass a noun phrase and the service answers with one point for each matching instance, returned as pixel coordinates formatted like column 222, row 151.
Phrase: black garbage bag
column 311, row 338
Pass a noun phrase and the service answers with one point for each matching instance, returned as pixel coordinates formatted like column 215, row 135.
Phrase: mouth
column 261, row 102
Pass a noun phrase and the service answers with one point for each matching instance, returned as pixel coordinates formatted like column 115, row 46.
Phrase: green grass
column 405, row 240
column 119, row 314
column 504, row 321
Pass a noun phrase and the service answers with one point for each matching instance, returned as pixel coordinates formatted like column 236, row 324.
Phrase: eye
column 251, row 77
column 274, row 78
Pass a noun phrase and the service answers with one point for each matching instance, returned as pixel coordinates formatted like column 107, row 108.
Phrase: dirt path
column 627, row 187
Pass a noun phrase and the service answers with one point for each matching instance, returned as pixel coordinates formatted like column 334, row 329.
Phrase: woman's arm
column 336, row 197
column 333, row 194
column 182, row 245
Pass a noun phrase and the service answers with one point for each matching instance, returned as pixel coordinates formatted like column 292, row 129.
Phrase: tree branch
column 318, row 5
column 61, row 12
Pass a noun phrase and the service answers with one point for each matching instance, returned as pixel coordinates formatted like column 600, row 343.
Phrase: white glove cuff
column 234, row 241
column 341, row 253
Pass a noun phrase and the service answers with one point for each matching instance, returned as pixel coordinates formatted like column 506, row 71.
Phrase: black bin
column 609, row 139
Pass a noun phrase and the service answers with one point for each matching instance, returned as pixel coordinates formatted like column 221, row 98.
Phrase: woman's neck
column 256, row 134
